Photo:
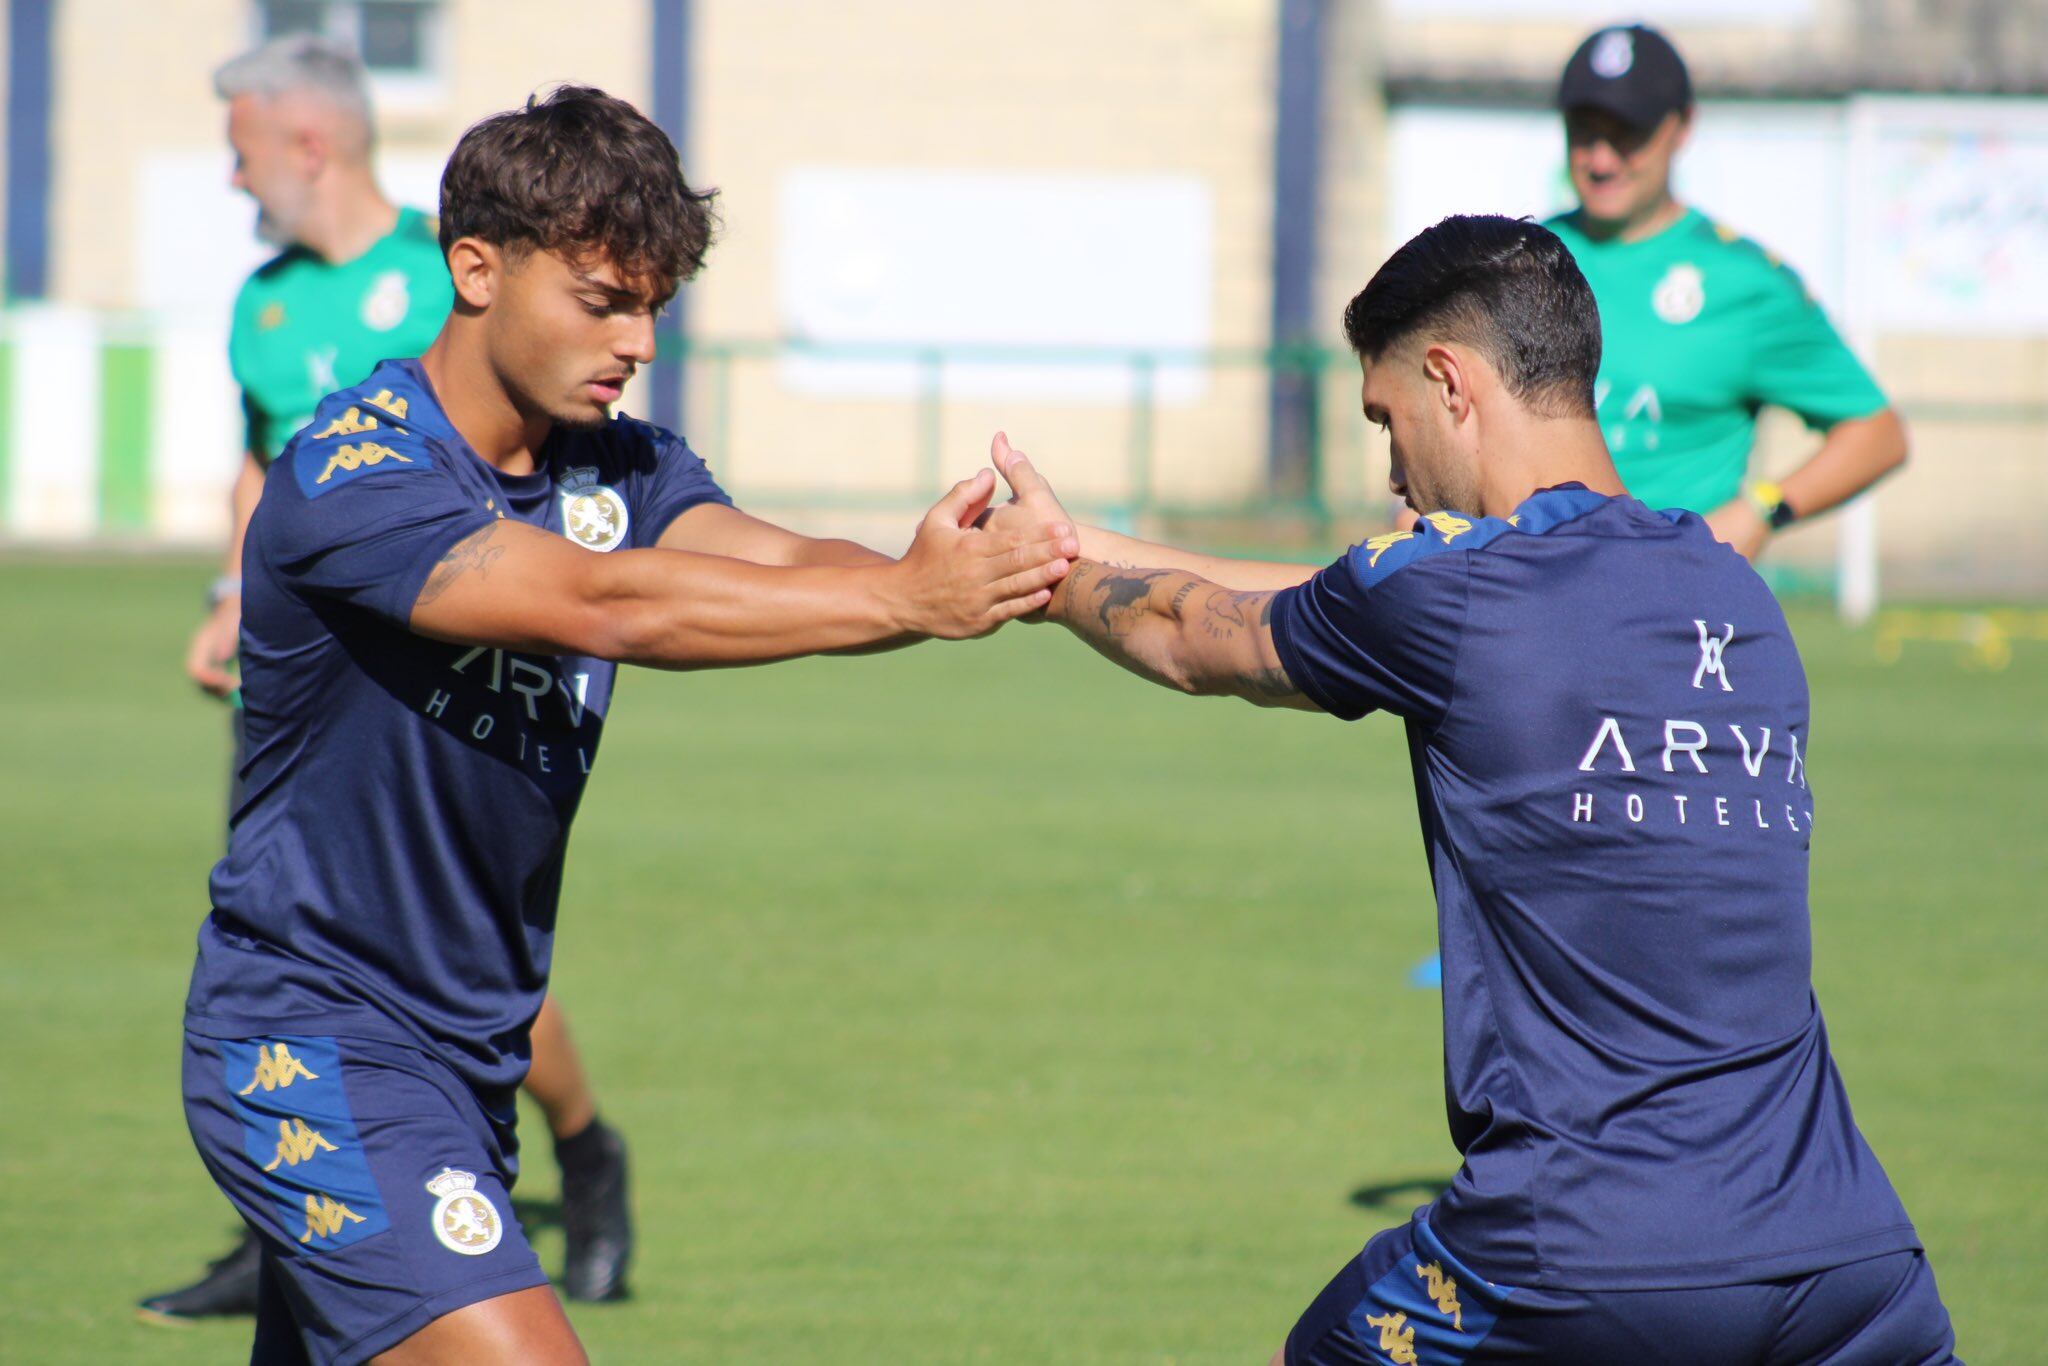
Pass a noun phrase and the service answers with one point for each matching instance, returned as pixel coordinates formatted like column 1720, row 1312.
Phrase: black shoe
column 594, row 1214
column 228, row 1288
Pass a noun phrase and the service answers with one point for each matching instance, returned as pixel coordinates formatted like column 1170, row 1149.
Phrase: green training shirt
column 305, row 327
column 1700, row 327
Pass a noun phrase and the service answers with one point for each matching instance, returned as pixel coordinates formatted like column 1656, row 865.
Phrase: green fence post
column 721, row 408
column 1144, row 405
column 931, row 378
column 1316, row 362
column 124, row 436
column 6, row 425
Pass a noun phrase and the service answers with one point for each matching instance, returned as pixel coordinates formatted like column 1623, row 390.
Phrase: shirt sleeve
column 677, row 481
column 1801, row 362
column 1377, row 631
column 355, row 520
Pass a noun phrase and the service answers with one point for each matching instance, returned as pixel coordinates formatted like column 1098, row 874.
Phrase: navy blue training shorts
column 1406, row 1301
column 376, row 1178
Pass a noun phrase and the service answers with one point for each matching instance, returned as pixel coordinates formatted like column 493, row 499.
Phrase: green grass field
column 978, row 1003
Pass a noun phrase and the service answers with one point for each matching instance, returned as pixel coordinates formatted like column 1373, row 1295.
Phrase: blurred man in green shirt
column 1700, row 327
column 357, row 280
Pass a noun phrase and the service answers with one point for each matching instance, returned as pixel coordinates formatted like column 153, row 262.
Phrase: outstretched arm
column 517, row 587
column 719, row 529
column 1119, row 551
column 1179, row 630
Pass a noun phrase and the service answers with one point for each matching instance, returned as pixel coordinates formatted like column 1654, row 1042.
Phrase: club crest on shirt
column 464, row 1218
column 1681, row 294
column 385, row 306
column 593, row 514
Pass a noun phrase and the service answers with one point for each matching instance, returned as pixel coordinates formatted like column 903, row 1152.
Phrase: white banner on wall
column 1949, row 214
column 1017, row 259
column 1773, row 171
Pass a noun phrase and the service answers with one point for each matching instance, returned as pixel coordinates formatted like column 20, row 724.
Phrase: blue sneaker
column 1428, row 975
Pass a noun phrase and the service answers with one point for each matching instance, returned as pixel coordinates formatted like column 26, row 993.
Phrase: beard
column 272, row 231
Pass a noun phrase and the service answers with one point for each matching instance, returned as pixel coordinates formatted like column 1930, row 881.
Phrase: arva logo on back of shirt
column 1609, row 751
column 542, row 728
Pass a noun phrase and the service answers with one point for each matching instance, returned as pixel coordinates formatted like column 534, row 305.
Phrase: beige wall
column 1144, row 86
column 137, row 79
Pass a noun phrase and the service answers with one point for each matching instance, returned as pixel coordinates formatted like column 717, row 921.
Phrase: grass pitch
column 978, row 1003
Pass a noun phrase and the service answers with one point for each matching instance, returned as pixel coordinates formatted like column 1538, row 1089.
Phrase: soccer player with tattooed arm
column 1608, row 724
column 443, row 573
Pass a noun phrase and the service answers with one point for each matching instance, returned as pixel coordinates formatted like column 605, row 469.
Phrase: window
column 399, row 40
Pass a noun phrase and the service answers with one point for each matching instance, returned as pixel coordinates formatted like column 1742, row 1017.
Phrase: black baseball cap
column 1630, row 71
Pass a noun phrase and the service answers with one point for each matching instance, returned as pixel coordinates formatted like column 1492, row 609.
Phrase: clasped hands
column 976, row 564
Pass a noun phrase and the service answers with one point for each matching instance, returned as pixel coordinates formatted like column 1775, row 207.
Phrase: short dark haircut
column 578, row 173
column 1507, row 288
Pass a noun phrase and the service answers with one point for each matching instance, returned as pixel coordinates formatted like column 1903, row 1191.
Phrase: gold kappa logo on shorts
column 325, row 1216
column 276, row 1069
column 1444, row 1291
column 1396, row 1340
column 297, row 1143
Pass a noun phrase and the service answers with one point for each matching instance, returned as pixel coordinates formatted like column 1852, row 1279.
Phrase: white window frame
column 392, row 91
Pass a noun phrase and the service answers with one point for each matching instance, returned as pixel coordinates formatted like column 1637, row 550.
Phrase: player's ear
column 1449, row 382
column 475, row 267
column 1682, row 133
column 310, row 150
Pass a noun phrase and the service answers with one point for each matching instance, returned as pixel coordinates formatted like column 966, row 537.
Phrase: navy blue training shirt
column 1607, row 720
column 394, row 867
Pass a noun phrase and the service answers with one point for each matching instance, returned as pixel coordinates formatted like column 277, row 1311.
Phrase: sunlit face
column 1433, row 467
column 1619, row 171
column 565, row 337
column 274, row 165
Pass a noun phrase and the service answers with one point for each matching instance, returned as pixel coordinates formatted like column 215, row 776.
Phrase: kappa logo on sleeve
column 325, row 461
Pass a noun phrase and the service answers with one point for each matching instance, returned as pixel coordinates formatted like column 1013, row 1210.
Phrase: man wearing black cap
column 1701, row 327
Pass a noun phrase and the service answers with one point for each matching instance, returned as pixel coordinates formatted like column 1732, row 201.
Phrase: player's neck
column 354, row 217
column 477, row 404
column 1546, row 452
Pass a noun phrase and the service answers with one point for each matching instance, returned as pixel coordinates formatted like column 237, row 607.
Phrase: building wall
column 136, row 82
column 1142, row 88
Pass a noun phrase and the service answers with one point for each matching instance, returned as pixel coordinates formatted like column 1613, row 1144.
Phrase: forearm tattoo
column 1107, row 603
column 472, row 552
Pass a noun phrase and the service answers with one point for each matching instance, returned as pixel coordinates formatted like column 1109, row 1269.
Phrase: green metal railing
column 712, row 410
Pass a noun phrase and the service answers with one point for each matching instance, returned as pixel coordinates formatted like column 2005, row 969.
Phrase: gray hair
column 300, row 62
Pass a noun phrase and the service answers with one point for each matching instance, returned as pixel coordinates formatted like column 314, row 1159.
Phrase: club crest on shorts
column 464, row 1218
column 1681, row 294
column 593, row 514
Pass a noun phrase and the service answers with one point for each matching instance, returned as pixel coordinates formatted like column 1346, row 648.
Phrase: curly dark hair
column 582, row 174
column 1505, row 286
